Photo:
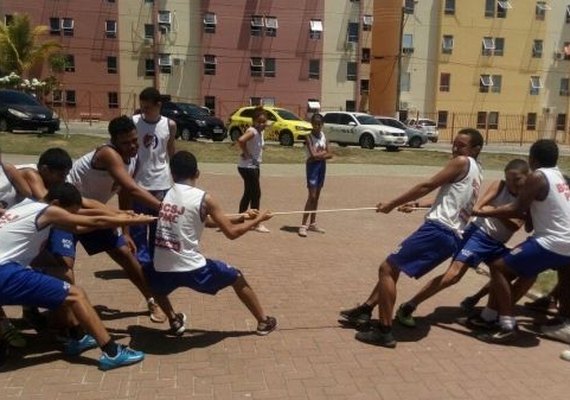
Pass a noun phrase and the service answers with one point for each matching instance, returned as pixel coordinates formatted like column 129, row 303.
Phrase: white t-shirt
column 551, row 216
column 254, row 147
column 454, row 202
column 179, row 229
column 153, row 172
column 8, row 194
column 494, row 227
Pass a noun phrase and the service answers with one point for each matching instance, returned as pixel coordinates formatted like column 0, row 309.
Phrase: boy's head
column 150, row 101
column 543, row 154
column 467, row 142
column 54, row 165
column 64, row 195
column 259, row 116
column 124, row 136
column 183, row 166
column 516, row 172
column 317, row 121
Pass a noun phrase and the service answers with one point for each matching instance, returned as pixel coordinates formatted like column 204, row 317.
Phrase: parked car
column 284, row 126
column 19, row 110
column 416, row 137
column 427, row 125
column 193, row 121
column 346, row 128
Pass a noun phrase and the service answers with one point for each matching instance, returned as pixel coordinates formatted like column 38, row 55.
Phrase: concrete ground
column 303, row 282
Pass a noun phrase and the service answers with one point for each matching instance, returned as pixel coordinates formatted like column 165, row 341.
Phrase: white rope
column 334, row 210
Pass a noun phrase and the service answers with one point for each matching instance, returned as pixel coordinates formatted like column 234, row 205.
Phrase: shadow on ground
column 110, row 274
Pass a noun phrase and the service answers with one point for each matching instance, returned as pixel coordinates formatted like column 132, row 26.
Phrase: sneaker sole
column 265, row 333
column 115, row 366
column 388, row 345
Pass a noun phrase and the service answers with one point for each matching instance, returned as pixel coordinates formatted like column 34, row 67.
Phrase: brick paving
column 304, row 283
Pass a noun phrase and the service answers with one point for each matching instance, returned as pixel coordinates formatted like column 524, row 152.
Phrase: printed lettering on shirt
column 563, row 189
column 170, row 212
column 150, row 141
column 8, row 217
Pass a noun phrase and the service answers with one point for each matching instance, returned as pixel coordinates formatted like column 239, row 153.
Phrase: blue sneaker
column 75, row 347
column 125, row 356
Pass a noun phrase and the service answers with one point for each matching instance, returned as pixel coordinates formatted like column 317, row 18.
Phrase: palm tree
column 21, row 47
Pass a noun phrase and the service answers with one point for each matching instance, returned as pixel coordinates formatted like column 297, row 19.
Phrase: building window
column 313, row 105
column 57, row 97
column 492, row 46
column 210, row 63
column 409, row 6
column 255, row 101
column 210, row 103
column 314, row 69
column 149, row 68
column 111, row 65
column 568, row 14
column 210, row 22
column 444, row 82
column 54, row 26
column 8, row 19
column 537, row 47
column 364, row 86
column 113, row 98
column 497, row 83
column 256, row 66
column 365, row 56
column 540, row 10
column 164, row 21
column 316, row 29
column 111, row 29
column 367, row 21
column 165, row 63
column 449, row 8
column 271, row 26
column 67, row 26
column 490, row 8
column 561, row 122
column 270, row 68
column 447, row 44
column 352, row 32
column 493, row 120
column 535, row 85
column 268, row 101
column 531, row 121
column 564, row 87
column 148, row 31
column 442, row 119
column 70, row 98
column 405, row 81
column 350, row 105
column 499, row 46
column 256, row 25
column 407, row 43
column 485, row 82
column 69, row 65
column 351, row 71
column 502, row 7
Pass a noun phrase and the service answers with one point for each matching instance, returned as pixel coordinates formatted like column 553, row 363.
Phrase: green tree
column 21, row 45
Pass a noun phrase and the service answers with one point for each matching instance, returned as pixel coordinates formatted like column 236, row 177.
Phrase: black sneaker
column 35, row 319
column 358, row 316
column 178, row 327
column 499, row 336
column 468, row 304
column 477, row 323
column 267, row 326
column 377, row 338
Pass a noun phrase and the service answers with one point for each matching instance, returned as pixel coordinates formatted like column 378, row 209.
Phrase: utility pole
column 156, row 35
column 399, row 61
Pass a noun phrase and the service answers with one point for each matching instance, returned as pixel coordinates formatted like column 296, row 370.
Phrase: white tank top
column 153, row 172
column 454, row 202
column 494, row 227
column 8, row 194
column 179, row 230
column 96, row 184
column 254, row 147
column 318, row 143
column 20, row 238
column 551, row 216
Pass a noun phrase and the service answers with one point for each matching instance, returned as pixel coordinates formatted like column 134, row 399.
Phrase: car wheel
column 186, row 134
column 51, row 131
column 218, row 138
column 367, row 141
column 392, row 148
column 342, row 144
column 415, row 142
column 286, row 138
column 4, row 126
column 235, row 133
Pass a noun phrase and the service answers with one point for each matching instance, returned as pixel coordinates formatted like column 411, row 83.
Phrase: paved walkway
column 304, row 283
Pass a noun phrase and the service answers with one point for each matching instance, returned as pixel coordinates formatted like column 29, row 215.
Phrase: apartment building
column 88, row 33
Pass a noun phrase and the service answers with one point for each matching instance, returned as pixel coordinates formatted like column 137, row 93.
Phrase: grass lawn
column 77, row 145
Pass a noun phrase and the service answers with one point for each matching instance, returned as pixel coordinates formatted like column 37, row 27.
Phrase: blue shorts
column 424, row 250
column 316, row 171
column 478, row 247
column 529, row 259
column 21, row 286
column 63, row 243
column 210, row 279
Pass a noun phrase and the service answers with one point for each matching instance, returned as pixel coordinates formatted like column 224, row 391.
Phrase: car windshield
column 426, row 123
column 287, row 115
column 192, row 110
column 367, row 120
column 393, row 122
column 18, row 98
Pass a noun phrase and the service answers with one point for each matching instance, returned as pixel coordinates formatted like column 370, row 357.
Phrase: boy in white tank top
column 178, row 261
column 546, row 196
column 434, row 242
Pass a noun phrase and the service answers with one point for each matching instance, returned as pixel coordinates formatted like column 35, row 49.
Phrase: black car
column 194, row 121
column 19, row 110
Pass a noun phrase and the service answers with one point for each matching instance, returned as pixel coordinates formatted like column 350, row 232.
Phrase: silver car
column 416, row 138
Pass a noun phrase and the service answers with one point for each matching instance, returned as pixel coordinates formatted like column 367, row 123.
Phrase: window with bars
column 256, row 66
column 444, row 82
column 447, row 44
column 270, row 68
column 256, row 25
column 110, row 29
column 351, row 68
column 315, row 29
column 112, row 65
column 271, row 25
column 210, row 22
column 535, row 85
column 367, row 21
column 561, row 122
column 531, row 121
column 352, row 32
column 449, row 7
column 442, row 117
column 70, row 99
column 113, row 99
column 149, row 67
column 210, row 63
column 565, row 87
column 485, row 82
column 314, row 69
column 537, row 48
column 69, row 65
column 365, row 55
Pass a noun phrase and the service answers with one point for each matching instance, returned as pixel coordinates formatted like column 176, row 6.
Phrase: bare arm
column 170, row 146
column 491, row 193
column 18, row 180
column 231, row 230
column 242, row 142
column 35, row 182
column 317, row 154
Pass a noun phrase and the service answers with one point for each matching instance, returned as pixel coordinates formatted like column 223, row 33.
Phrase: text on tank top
column 494, row 227
column 8, row 193
column 179, row 229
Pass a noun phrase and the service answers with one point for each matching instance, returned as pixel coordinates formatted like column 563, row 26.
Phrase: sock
column 507, row 322
column 489, row 314
column 111, row 348
column 409, row 307
column 76, row 332
column 384, row 328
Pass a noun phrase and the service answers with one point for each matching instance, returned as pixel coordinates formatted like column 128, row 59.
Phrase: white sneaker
column 316, row 228
column 261, row 229
column 303, row 231
column 559, row 332
column 565, row 355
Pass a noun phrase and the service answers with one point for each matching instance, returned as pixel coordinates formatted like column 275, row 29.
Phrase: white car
column 428, row 126
column 358, row 128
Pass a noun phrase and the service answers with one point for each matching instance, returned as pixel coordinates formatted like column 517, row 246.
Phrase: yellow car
column 283, row 125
